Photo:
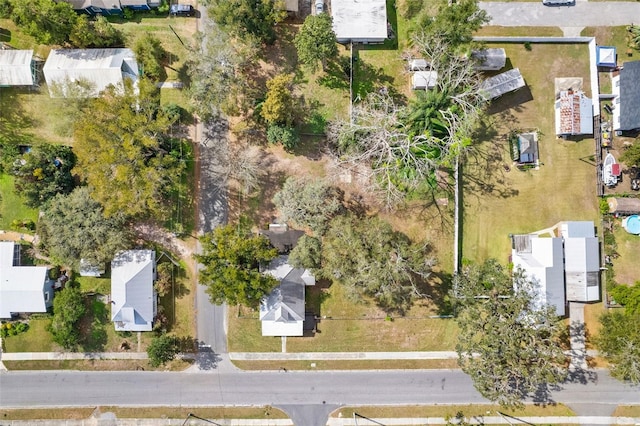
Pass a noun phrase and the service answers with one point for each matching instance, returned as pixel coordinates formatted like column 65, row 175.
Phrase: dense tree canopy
column 254, row 20
column 619, row 342
column 44, row 172
column 307, row 253
column 308, row 203
column 509, row 346
column 74, row 227
column 373, row 261
column 628, row 296
column 455, row 22
column 68, row 309
column 231, row 262
column 150, row 55
column 55, row 22
column 218, row 83
column 125, row 155
column 316, row 41
column 279, row 106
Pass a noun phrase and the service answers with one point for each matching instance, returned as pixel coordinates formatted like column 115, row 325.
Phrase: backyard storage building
column 606, row 56
column 498, row 85
column 624, row 206
column 359, row 21
column 424, row 80
column 492, row 59
column 574, row 114
column 97, row 67
column 16, row 68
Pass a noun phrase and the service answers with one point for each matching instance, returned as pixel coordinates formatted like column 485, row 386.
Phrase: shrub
column 287, row 136
column 162, row 350
column 604, row 206
column 13, row 329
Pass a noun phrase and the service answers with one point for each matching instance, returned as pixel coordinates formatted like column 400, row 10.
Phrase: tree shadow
column 14, row 119
column 206, row 359
column 367, row 79
column 92, row 326
column 336, row 74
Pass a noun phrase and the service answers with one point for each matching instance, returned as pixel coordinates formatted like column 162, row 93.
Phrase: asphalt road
column 582, row 14
column 73, row 388
column 212, row 212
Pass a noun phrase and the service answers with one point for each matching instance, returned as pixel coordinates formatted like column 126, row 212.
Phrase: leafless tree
column 398, row 156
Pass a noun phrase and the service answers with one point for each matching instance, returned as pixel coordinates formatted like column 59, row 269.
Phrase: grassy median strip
column 627, row 411
column 469, row 410
column 349, row 364
column 265, row 412
column 94, row 365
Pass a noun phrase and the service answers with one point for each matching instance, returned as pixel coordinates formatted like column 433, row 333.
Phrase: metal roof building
column 16, row 68
column 506, row 82
column 98, row 67
column 23, row 289
column 581, row 261
column 359, row 21
column 626, row 102
column 491, row 59
column 133, row 298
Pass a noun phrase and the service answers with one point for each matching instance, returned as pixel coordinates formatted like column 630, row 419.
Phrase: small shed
column 419, row 65
column 606, row 56
column 503, row 83
column 16, row 68
column 624, row 206
column 492, row 59
column 528, row 148
column 424, row 80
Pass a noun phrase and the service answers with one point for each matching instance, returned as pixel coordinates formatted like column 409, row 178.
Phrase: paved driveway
column 582, row 14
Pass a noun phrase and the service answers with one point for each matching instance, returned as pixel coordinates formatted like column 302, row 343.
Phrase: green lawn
column 491, row 30
column 177, row 46
column 12, row 206
column 35, row 339
column 477, row 410
column 100, row 285
column 499, row 202
column 348, row 327
column 625, row 265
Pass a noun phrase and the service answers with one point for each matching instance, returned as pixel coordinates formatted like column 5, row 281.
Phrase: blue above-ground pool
column 632, row 224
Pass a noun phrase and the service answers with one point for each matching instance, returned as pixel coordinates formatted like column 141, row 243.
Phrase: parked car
column 319, row 7
column 182, row 10
column 558, row 2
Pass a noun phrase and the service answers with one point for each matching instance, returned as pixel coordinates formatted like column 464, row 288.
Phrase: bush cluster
column 13, row 328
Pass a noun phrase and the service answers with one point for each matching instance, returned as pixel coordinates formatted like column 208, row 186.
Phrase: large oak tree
column 74, row 227
column 231, row 260
column 508, row 344
column 125, row 154
column 316, row 41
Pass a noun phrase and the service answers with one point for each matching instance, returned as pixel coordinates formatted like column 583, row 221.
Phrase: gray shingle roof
column 630, row 96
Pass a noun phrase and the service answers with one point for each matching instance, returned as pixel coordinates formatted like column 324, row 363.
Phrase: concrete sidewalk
column 338, row 356
column 57, row 356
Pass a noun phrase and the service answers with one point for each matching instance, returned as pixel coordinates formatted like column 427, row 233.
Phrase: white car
column 319, row 7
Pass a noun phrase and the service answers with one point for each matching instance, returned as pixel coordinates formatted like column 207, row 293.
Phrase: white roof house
column 490, row 59
column 133, row 297
column 359, row 21
column 16, row 67
column 541, row 260
column 282, row 311
column 23, row 289
column 581, row 261
column 424, row 80
column 503, row 83
column 574, row 113
column 565, row 264
column 99, row 67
